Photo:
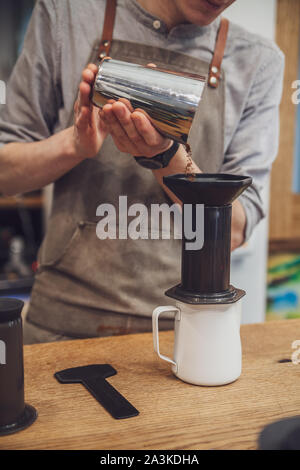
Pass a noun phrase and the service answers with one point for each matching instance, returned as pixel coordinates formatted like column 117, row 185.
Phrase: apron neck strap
column 216, row 63
column 108, row 28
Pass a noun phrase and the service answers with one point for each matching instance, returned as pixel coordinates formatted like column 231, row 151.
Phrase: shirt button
column 156, row 24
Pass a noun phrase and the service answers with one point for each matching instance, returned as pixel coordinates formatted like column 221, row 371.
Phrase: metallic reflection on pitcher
column 170, row 99
column 207, row 349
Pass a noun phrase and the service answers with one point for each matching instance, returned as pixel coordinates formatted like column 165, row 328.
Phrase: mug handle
column 156, row 313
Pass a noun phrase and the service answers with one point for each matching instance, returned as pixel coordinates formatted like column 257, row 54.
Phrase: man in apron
column 86, row 287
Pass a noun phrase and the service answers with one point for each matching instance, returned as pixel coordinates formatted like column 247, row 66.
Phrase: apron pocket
column 123, row 275
column 54, row 249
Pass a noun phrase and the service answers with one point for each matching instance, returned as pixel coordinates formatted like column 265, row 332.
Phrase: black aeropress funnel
column 15, row 415
column 205, row 273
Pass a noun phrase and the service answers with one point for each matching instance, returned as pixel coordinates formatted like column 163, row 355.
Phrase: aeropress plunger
column 207, row 349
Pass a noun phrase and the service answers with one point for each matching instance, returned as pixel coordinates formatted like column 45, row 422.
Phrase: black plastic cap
column 209, row 189
column 10, row 309
column 281, row 435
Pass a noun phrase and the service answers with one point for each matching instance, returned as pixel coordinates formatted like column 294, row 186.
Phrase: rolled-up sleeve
column 33, row 93
column 254, row 145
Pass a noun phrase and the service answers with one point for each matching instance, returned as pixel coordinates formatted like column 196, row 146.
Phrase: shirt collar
column 157, row 25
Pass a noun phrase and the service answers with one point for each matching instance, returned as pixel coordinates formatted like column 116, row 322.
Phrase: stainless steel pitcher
column 170, row 99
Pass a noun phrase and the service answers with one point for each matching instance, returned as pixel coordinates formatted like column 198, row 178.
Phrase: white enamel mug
column 207, row 346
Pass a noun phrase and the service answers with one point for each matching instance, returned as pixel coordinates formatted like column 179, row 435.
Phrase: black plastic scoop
column 93, row 378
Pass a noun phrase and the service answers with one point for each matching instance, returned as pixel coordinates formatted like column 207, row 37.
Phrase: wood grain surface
column 173, row 414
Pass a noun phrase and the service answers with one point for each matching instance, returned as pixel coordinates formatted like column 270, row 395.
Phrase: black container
column 14, row 413
column 205, row 273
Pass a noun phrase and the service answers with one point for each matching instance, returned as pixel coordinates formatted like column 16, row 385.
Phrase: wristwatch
column 161, row 160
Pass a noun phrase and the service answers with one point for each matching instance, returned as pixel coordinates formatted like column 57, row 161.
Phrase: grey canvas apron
column 87, row 287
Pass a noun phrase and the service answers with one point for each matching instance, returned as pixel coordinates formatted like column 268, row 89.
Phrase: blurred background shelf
column 30, row 202
column 16, row 287
column 21, row 233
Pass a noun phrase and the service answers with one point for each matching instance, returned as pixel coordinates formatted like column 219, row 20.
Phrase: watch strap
column 161, row 160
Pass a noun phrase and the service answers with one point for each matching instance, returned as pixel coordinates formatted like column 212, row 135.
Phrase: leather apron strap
column 215, row 65
column 108, row 28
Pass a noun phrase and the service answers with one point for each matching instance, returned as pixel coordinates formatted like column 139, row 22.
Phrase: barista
column 87, row 287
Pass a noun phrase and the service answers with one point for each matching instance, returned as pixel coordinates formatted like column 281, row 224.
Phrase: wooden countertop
column 173, row 414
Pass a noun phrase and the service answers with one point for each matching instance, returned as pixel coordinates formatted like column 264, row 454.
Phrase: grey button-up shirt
column 58, row 43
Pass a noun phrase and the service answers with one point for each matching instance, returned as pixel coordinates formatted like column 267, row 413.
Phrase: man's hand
column 29, row 166
column 89, row 133
column 131, row 130
column 238, row 225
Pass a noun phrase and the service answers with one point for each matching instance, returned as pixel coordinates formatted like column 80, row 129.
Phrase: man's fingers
column 127, row 103
column 123, row 115
column 83, row 119
column 84, row 95
column 103, row 125
column 88, row 76
column 132, row 132
column 116, row 130
column 123, row 143
column 102, row 122
column 151, row 136
column 93, row 68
